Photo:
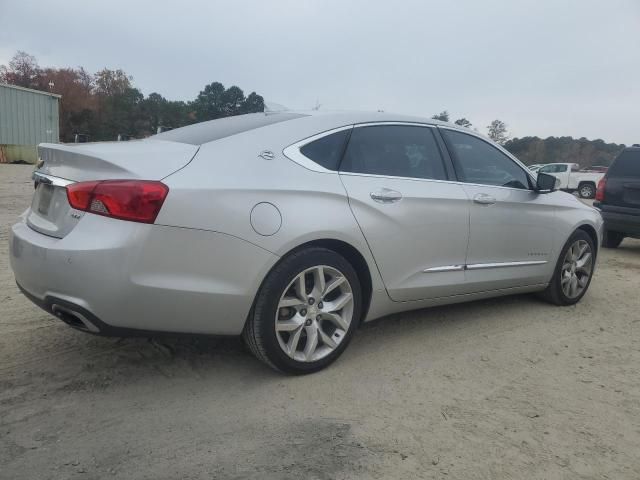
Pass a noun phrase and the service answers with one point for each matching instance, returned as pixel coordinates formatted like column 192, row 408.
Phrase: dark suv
column 618, row 198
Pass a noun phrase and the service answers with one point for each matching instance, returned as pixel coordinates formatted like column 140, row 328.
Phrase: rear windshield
column 627, row 164
column 205, row 132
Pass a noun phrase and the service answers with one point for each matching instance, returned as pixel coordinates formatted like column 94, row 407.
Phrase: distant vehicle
column 618, row 198
column 571, row 179
column 292, row 228
column 535, row 167
column 596, row 168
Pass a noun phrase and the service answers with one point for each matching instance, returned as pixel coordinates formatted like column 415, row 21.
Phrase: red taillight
column 600, row 189
column 79, row 194
column 134, row 200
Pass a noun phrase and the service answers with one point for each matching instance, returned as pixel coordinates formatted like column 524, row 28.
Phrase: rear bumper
column 622, row 222
column 122, row 278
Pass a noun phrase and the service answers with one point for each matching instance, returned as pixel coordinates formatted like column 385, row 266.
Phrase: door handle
column 484, row 199
column 385, row 195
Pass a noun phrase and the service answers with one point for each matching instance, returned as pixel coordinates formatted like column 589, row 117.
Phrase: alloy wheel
column 586, row 192
column 314, row 313
column 576, row 269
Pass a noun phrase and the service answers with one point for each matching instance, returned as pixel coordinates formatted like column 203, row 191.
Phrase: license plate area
column 45, row 196
column 632, row 194
column 50, row 212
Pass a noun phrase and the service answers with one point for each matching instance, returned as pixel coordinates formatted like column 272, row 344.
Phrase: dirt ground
column 505, row 388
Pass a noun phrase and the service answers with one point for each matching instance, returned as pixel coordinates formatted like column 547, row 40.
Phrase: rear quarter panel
column 219, row 189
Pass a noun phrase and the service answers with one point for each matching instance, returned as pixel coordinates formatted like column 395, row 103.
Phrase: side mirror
column 546, row 183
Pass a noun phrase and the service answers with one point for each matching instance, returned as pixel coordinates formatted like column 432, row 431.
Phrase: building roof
column 30, row 90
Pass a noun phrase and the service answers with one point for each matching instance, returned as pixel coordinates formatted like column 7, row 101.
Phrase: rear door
column 415, row 221
column 623, row 182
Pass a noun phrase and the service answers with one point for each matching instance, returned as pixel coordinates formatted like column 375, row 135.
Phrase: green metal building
column 27, row 118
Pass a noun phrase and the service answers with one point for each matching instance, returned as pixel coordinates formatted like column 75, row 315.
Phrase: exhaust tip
column 74, row 319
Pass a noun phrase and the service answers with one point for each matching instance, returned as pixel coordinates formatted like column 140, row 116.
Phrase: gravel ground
column 505, row 388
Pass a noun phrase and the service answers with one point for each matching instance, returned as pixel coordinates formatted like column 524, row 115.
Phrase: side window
column 394, row 150
column 561, row 168
column 326, row 151
column 548, row 169
column 479, row 162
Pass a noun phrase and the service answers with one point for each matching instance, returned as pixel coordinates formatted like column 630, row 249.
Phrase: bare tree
column 497, row 132
column 23, row 70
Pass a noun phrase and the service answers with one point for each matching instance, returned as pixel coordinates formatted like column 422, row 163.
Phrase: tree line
column 535, row 150
column 105, row 104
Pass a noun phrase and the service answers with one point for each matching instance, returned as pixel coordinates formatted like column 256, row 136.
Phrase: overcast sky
column 545, row 67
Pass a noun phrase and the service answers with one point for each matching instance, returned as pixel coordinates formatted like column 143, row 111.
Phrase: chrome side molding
column 480, row 266
column 445, row 268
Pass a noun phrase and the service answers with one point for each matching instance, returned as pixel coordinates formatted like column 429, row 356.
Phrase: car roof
column 355, row 116
column 298, row 123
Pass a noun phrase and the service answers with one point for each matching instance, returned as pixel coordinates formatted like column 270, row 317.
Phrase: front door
column 414, row 220
column 511, row 226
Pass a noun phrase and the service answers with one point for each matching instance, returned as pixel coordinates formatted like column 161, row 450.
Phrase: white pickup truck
column 572, row 179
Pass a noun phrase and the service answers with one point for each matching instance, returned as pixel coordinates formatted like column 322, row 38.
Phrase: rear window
column 212, row 130
column 626, row 165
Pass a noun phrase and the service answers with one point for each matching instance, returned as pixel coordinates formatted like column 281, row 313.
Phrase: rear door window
column 394, row 151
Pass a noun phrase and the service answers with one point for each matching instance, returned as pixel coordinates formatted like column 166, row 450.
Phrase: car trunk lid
column 60, row 165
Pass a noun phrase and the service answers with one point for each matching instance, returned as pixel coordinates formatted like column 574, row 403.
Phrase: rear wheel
column 612, row 239
column 587, row 190
column 305, row 312
column 573, row 272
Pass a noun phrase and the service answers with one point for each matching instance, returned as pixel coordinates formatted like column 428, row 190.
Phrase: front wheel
column 573, row 272
column 305, row 312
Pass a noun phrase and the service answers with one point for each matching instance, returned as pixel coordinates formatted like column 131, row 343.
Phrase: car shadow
column 101, row 364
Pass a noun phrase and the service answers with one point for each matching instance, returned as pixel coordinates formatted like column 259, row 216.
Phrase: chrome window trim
column 408, row 124
column 481, row 266
column 452, row 182
column 50, row 180
column 373, row 175
column 293, row 153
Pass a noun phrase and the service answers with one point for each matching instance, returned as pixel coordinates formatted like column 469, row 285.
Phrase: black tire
column 587, row 190
column 260, row 330
column 554, row 293
column 612, row 239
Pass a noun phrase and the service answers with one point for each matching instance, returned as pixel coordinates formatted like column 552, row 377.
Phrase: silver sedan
column 292, row 229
